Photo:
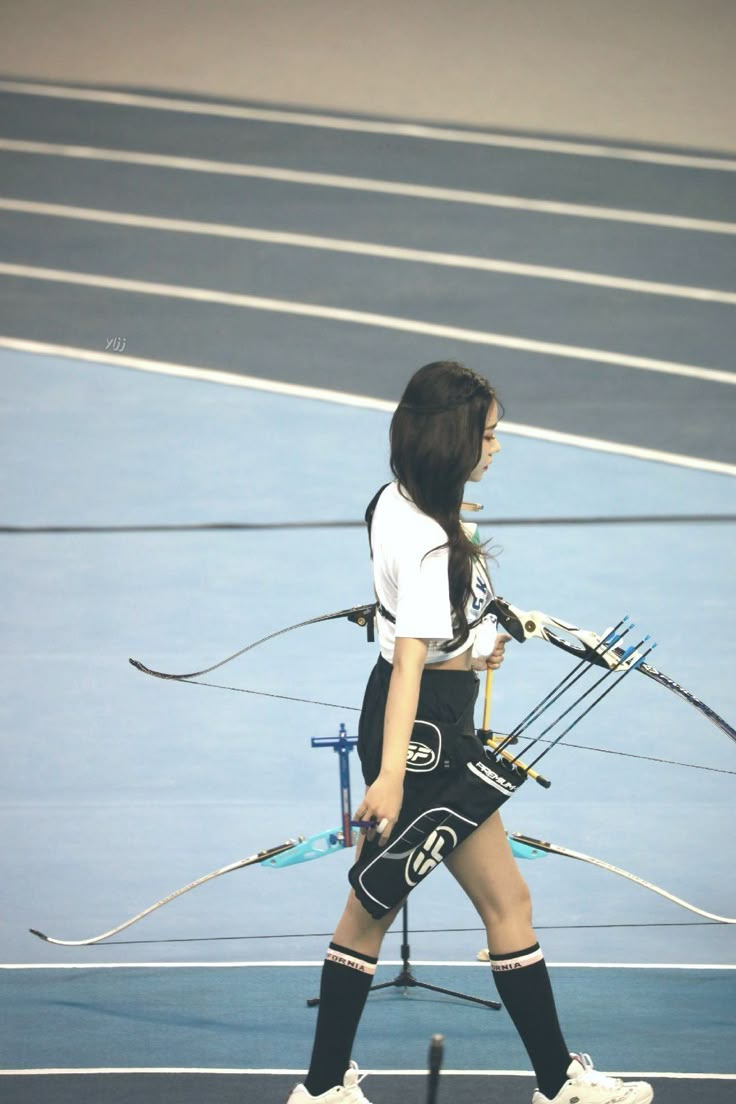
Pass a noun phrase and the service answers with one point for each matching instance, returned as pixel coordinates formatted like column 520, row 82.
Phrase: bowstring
column 416, row 931
column 356, row 709
column 270, row 694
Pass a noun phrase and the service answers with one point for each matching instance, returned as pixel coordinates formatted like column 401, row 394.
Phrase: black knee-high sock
column 346, row 978
column 524, row 987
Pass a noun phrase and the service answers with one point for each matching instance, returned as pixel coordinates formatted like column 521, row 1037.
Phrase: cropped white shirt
column 410, row 578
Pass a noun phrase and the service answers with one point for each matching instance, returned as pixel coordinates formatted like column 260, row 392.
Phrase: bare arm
column 383, row 798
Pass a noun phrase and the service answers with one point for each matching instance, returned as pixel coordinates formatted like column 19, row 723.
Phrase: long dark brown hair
column 436, row 440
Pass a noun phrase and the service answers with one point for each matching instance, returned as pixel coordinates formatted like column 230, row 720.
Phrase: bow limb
column 252, row 860
column 527, row 847
column 289, row 853
column 587, row 645
column 359, row 615
column 555, row 849
column 670, row 684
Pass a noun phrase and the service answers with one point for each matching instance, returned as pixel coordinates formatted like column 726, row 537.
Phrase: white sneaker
column 347, row 1093
column 587, row 1086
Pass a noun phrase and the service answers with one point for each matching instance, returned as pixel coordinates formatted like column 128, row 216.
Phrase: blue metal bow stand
column 343, row 745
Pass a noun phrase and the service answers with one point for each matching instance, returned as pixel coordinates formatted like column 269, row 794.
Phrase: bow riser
column 316, row 847
column 585, row 644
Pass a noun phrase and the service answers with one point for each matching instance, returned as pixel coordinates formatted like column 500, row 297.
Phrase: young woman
column 432, row 790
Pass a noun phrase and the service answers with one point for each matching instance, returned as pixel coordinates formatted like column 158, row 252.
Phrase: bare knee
column 512, row 908
column 486, row 870
column 359, row 930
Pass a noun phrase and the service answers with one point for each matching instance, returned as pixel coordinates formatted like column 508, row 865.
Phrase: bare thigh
column 486, row 869
column 359, row 930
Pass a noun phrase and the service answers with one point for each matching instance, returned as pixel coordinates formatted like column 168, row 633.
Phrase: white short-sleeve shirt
column 410, row 577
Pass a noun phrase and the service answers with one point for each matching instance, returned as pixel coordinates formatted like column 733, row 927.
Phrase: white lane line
column 366, row 318
column 365, row 249
column 637, row 452
column 421, row 131
column 321, row 394
column 205, row 375
column 283, row 1072
column 368, row 184
column 469, row 964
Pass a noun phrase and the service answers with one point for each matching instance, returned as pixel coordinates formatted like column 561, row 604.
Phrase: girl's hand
column 496, row 658
column 382, row 803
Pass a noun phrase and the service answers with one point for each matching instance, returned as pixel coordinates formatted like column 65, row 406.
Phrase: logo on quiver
column 419, row 755
column 424, row 751
column 429, row 854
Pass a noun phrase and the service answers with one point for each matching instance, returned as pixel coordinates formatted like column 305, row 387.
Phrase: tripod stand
column 405, row 978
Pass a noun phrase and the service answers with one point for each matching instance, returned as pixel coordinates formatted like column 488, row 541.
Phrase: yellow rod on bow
column 487, row 699
column 493, row 742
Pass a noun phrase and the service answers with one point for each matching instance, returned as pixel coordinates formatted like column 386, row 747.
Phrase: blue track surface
column 213, row 1019
column 117, row 789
